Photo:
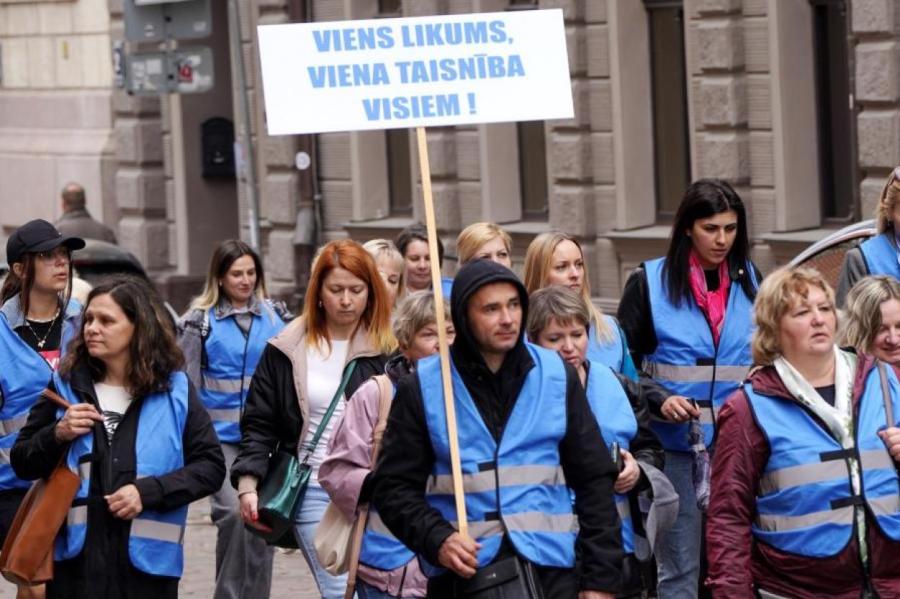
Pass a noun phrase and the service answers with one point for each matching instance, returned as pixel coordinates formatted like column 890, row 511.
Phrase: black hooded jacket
column 407, row 456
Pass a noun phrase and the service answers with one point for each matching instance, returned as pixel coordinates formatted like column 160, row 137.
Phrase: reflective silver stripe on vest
column 77, row 515
column 803, row 474
column 376, row 524
column 13, row 425
column 889, row 505
column 876, row 459
column 482, row 528
column 772, row 523
column 84, row 471
column 4, row 456
column 540, row 521
column 696, row 374
column 225, row 385
column 624, row 510
column 706, row 417
column 479, row 482
column 232, row 415
column 157, row 531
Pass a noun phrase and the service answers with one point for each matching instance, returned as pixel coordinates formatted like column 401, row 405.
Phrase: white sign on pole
column 415, row 72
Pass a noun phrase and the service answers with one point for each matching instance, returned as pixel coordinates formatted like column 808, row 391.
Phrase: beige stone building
column 796, row 102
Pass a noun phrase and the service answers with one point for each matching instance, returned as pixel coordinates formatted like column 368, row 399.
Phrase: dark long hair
column 14, row 284
column 703, row 199
column 153, row 353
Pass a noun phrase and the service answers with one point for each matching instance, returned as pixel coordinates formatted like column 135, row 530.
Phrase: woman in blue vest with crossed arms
column 879, row 255
column 559, row 319
column 687, row 317
column 805, row 494
column 222, row 337
column 138, row 438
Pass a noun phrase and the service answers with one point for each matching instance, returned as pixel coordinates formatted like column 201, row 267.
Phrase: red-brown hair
column 376, row 318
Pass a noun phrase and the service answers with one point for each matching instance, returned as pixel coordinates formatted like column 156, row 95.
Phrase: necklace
column 42, row 340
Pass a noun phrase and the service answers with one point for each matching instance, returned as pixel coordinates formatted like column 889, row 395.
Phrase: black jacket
column 103, row 568
column 407, row 456
column 271, row 420
column 645, row 447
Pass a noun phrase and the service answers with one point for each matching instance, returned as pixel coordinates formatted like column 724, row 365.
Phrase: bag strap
column 311, row 446
column 385, row 398
column 56, row 398
column 886, row 395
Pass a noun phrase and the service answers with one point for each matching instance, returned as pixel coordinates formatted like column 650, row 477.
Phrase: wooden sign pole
column 455, row 467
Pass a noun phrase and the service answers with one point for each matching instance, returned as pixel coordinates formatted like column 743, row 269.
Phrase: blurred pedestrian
column 872, row 318
column 387, row 568
column 77, row 221
column 557, row 259
column 687, row 317
column 223, row 336
column 558, row 319
column 484, row 241
column 139, row 439
column 527, row 439
column 389, row 262
column 344, row 331
column 805, row 497
column 412, row 242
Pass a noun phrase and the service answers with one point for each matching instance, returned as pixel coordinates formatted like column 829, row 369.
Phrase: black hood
column 470, row 278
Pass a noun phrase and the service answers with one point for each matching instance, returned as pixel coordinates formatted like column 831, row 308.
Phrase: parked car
column 99, row 259
column 827, row 255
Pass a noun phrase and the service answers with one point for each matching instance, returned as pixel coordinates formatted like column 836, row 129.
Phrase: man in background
column 77, row 221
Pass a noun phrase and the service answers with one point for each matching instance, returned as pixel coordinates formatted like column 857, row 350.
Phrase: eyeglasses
column 54, row 255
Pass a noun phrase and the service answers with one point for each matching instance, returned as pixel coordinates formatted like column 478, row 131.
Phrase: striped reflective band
column 696, row 374
column 84, row 471
column 478, row 529
column 225, row 385
column 772, row 523
column 77, row 515
column 541, row 522
column 804, row 474
column 889, row 505
column 4, row 455
column 13, row 425
column 875, row 459
column 232, row 415
column 157, row 531
column 479, row 482
column 706, row 417
column 376, row 524
column 624, row 509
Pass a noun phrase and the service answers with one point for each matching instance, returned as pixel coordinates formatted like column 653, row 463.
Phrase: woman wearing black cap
column 37, row 318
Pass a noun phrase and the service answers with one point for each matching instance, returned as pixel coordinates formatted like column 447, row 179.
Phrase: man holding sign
column 527, row 436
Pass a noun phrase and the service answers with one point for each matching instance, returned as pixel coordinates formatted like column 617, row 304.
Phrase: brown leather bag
column 27, row 554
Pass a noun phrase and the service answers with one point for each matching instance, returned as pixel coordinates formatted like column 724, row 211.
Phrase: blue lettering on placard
column 348, row 75
column 360, row 38
column 453, row 34
column 406, row 107
column 479, row 66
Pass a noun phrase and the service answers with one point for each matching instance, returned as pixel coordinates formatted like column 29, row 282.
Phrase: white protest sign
column 415, row 72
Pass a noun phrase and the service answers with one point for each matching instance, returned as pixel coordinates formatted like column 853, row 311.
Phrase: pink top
column 342, row 474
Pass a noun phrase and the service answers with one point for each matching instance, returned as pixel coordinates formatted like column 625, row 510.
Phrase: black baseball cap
column 37, row 236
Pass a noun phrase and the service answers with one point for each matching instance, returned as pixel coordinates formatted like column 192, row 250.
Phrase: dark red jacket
column 737, row 563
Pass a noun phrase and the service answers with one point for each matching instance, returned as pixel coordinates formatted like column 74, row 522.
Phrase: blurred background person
column 484, row 241
column 558, row 319
column 879, row 255
column 390, row 264
column 871, row 322
column 387, row 568
column 76, row 221
column 556, row 259
column 222, row 336
column 345, row 324
column 804, row 487
column 688, row 320
column 412, row 242
column 139, row 439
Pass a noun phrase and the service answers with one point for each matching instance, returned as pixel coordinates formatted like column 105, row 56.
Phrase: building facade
column 795, row 102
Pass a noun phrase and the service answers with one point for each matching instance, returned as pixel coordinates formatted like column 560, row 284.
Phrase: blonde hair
column 476, row 235
column 539, row 261
column 383, row 248
column 225, row 254
column 862, row 311
column 560, row 303
column 777, row 294
column 890, row 197
column 413, row 312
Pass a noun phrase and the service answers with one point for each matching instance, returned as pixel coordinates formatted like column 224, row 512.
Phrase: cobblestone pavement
column 290, row 579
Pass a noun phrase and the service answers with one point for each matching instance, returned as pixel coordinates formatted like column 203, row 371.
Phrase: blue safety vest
column 686, row 360
column 881, row 255
column 23, row 375
column 231, row 360
column 517, row 487
column 806, row 504
column 617, row 424
column 156, row 538
column 611, row 352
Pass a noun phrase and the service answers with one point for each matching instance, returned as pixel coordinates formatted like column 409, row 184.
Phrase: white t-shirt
column 323, row 377
column 114, row 401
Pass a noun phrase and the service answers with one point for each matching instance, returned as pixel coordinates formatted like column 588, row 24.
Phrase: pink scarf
column 711, row 303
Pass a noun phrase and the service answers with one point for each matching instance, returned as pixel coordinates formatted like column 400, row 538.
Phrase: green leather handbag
column 284, row 485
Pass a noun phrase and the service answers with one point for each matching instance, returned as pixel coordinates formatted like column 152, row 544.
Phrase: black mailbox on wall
column 217, row 138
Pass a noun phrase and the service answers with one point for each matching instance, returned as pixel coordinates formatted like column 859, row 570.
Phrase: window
column 400, row 177
column 837, row 180
column 533, row 169
column 668, row 74
column 390, row 7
